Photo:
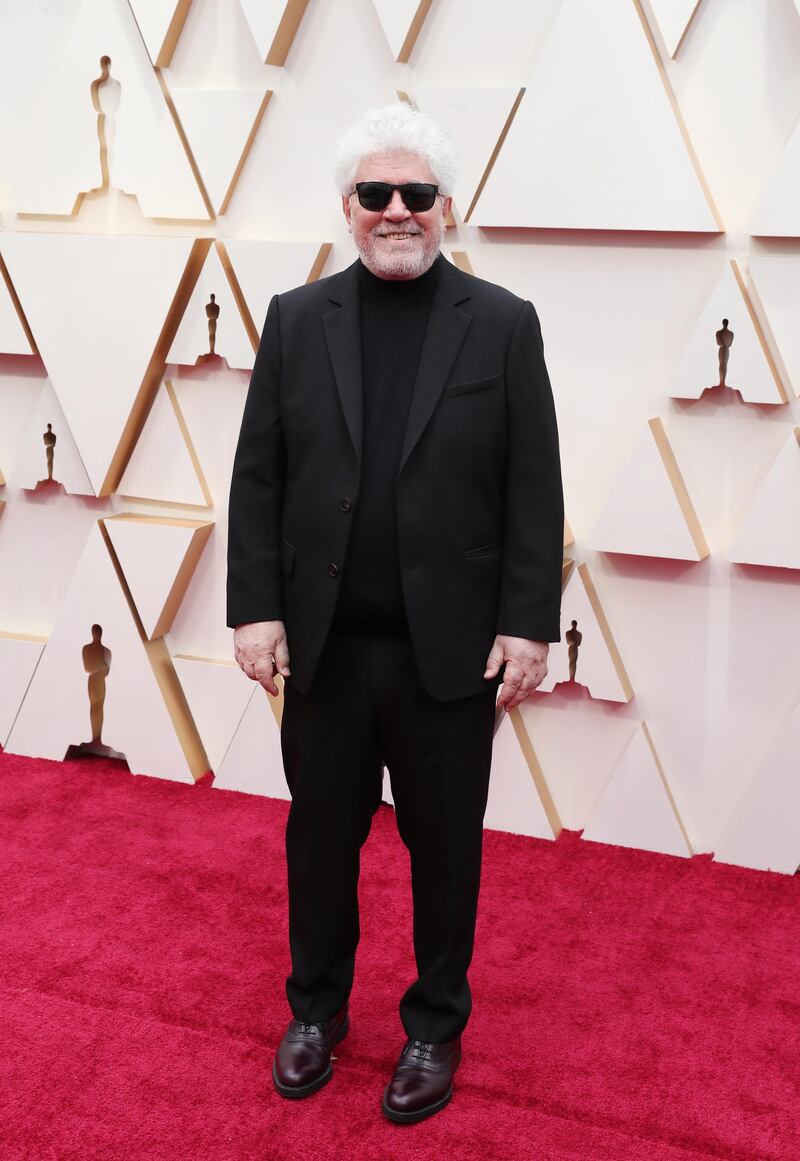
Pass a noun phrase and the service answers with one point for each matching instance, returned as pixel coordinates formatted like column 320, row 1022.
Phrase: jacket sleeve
column 530, row 594
column 254, row 581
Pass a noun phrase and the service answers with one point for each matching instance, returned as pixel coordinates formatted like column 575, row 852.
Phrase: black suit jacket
column 479, row 497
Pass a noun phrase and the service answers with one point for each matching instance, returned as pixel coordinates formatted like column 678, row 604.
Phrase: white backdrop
column 627, row 181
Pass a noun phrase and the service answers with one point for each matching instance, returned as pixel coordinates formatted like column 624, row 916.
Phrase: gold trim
column 285, row 32
column 248, row 145
column 462, row 261
column 187, row 439
column 184, row 140
column 164, row 672
column 605, row 629
column 537, row 774
column 679, row 486
column 6, row 276
column 36, row 638
column 414, row 28
column 148, row 389
column 738, row 274
column 687, row 141
column 201, row 530
column 490, row 164
column 666, row 786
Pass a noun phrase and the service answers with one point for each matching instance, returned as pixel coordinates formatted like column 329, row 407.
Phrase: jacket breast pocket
column 468, row 387
column 484, row 549
column 287, row 556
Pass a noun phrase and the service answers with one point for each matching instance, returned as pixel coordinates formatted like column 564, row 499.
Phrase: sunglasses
column 417, row 196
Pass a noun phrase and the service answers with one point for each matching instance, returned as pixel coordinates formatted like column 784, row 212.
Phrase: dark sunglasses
column 417, row 196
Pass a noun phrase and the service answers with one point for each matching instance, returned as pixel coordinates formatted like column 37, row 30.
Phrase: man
column 395, row 527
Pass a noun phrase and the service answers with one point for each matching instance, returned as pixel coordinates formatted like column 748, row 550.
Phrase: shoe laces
column 306, row 1028
column 421, row 1048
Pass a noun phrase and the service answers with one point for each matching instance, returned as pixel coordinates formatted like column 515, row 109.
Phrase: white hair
column 396, row 128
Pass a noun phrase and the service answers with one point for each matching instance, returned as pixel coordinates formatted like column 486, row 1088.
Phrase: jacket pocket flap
column 484, row 549
column 473, row 385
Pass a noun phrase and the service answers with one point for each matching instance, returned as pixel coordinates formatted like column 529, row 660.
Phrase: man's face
column 394, row 243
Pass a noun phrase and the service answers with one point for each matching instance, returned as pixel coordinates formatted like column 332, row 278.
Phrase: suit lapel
column 447, row 327
column 343, row 336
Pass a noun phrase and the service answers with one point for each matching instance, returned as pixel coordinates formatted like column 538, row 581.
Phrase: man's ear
column 447, row 203
column 346, row 208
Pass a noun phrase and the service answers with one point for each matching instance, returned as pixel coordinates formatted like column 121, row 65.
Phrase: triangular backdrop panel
column 158, row 556
column 649, row 511
column 578, row 746
column 218, row 693
column 160, row 23
column 765, row 831
column 19, row 657
column 145, row 156
column 770, row 533
column 602, row 160
column 30, row 466
column 750, row 367
column 273, row 24
column 515, row 800
column 266, row 268
column 475, row 118
column 191, row 344
column 56, row 711
column 162, row 466
column 777, row 213
column 13, row 339
column 97, row 356
column 220, row 126
column 636, row 809
column 599, row 665
column 673, row 18
column 401, row 21
column 213, row 418
column 776, row 280
column 253, row 762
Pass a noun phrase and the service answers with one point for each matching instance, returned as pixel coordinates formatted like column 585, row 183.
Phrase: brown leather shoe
column 423, row 1080
column 302, row 1063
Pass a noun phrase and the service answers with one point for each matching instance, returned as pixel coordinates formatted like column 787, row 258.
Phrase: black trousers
column 367, row 707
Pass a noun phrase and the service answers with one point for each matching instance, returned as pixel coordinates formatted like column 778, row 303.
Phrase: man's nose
column 396, row 209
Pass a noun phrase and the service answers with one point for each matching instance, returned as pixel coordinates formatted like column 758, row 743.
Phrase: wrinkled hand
column 255, row 645
column 526, row 667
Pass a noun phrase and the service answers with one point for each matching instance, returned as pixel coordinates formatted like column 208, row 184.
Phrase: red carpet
column 628, row 1006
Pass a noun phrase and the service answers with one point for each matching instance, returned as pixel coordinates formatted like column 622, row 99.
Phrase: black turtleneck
column 394, row 316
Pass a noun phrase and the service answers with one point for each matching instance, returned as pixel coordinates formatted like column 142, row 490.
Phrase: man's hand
column 526, row 667
column 254, row 647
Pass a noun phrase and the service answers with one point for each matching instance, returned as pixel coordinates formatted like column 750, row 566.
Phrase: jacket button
column 333, row 569
column 345, row 504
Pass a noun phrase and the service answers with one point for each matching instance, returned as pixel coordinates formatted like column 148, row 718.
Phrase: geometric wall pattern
column 649, row 511
column 164, row 465
column 635, row 169
column 637, row 809
column 728, row 317
column 603, row 178
column 770, row 533
column 587, row 652
column 763, row 832
column 673, row 19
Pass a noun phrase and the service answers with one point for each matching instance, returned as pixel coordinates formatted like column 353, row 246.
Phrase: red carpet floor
column 627, row 1006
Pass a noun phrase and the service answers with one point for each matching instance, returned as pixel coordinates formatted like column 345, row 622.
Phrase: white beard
column 402, row 260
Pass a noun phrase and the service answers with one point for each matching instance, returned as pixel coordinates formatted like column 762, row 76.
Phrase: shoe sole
column 297, row 1092
column 417, row 1114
